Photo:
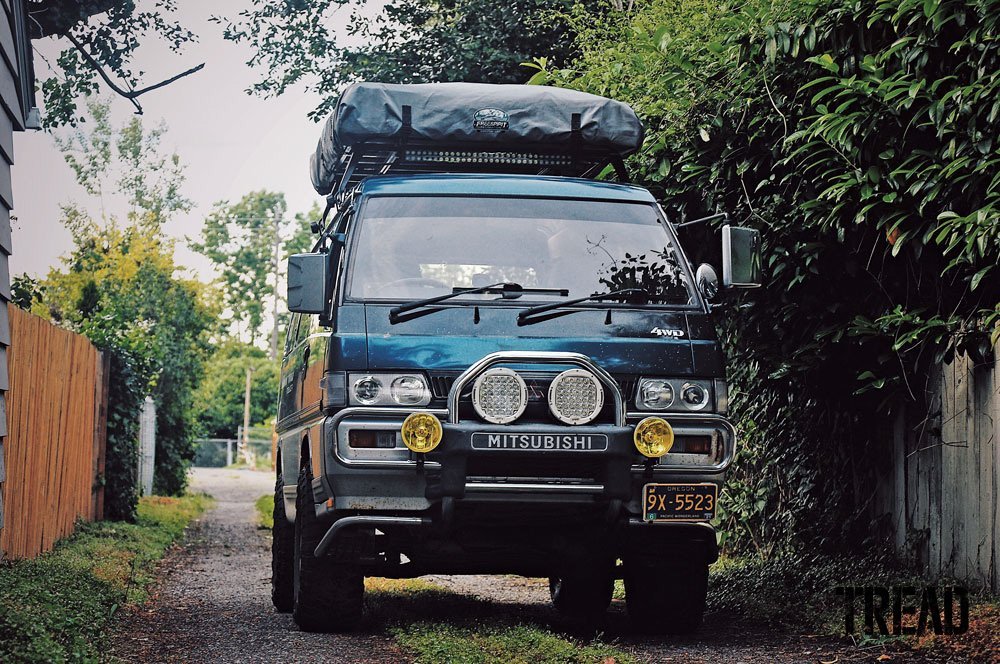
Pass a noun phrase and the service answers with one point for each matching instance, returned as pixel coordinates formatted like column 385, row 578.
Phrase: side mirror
column 741, row 260
column 308, row 283
column 708, row 281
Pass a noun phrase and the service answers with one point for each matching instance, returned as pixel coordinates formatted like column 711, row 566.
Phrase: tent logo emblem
column 491, row 119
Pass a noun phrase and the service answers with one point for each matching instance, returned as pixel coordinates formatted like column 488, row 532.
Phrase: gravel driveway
column 213, row 605
column 214, row 599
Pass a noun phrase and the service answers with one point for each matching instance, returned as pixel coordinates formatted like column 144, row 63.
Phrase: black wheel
column 282, row 553
column 584, row 593
column 666, row 595
column 329, row 594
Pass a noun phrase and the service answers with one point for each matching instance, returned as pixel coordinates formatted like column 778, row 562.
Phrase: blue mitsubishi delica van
column 499, row 362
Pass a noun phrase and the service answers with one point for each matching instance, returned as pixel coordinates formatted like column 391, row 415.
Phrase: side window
column 291, row 332
column 305, row 325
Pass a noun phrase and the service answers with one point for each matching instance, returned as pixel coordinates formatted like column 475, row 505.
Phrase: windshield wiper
column 507, row 289
column 597, row 297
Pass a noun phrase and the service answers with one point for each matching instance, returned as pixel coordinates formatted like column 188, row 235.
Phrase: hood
column 634, row 342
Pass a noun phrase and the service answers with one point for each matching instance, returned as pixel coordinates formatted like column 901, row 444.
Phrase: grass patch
column 58, row 607
column 499, row 644
column 260, row 463
column 456, row 628
column 265, row 511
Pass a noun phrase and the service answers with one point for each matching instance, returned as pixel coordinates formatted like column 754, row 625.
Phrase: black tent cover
column 487, row 117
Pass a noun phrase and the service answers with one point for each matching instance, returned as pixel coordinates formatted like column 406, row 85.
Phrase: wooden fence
column 941, row 491
column 56, row 411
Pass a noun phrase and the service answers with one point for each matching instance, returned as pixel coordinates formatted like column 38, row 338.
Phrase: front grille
column 441, row 385
column 525, row 466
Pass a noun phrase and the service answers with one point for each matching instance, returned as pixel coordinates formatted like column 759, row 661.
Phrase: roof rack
column 366, row 160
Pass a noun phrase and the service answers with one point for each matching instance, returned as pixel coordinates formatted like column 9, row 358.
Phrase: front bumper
column 399, row 480
column 463, row 487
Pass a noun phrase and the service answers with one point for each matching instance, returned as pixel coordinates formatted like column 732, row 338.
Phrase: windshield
column 422, row 246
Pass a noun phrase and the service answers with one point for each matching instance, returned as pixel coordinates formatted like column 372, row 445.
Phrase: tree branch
column 131, row 95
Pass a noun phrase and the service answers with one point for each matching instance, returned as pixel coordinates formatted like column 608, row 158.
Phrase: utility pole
column 276, row 259
column 245, row 438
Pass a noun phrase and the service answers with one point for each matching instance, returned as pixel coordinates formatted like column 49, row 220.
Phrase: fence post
column 101, row 387
column 147, row 446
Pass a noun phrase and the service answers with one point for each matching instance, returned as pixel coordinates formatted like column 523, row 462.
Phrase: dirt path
column 214, row 601
column 213, row 605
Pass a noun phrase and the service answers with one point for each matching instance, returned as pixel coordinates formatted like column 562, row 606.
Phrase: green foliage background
column 219, row 397
column 297, row 42
column 859, row 136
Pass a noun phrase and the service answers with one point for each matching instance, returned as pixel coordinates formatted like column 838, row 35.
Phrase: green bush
column 859, row 136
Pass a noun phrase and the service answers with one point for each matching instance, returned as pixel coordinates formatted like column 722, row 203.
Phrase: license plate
column 679, row 502
column 540, row 442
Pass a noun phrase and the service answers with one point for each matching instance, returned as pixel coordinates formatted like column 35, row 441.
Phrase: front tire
column 664, row 595
column 282, row 553
column 329, row 594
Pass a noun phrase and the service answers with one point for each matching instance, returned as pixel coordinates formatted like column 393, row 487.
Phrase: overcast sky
column 232, row 143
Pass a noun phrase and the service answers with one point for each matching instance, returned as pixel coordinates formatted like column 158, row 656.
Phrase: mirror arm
column 702, row 220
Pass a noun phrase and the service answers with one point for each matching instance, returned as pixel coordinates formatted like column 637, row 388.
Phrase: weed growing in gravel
column 455, row 628
column 432, row 643
column 57, row 607
column 265, row 511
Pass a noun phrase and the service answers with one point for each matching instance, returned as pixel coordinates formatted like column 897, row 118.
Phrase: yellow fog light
column 653, row 437
column 421, row 432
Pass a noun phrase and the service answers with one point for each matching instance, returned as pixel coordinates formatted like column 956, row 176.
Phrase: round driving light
column 576, row 396
column 655, row 394
column 408, row 391
column 499, row 395
column 653, row 437
column 421, row 432
column 367, row 390
column 694, row 396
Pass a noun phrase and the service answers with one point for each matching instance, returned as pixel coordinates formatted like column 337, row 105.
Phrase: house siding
column 16, row 99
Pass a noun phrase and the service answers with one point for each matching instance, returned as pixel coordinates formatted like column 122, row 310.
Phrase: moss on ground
column 59, row 606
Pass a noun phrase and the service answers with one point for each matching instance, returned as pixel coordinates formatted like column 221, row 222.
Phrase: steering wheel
column 421, row 282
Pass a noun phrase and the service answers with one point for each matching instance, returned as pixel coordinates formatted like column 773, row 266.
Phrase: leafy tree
column 859, row 137
column 239, row 238
column 410, row 41
column 118, row 288
column 103, row 37
column 126, row 163
column 219, row 397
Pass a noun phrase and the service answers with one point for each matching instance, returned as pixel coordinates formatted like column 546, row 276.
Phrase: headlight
column 694, row 396
column 389, row 389
column 408, row 390
column 576, row 396
column 499, row 395
column 654, row 394
column 367, row 390
column 674, row 395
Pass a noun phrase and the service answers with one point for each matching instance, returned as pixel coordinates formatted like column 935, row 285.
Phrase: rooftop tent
column 469, row 126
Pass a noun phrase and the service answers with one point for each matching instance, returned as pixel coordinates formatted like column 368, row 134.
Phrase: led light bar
column 466, row 157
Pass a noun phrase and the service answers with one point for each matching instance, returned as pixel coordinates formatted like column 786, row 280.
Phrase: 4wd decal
column 490, row 119
column 662, row 332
